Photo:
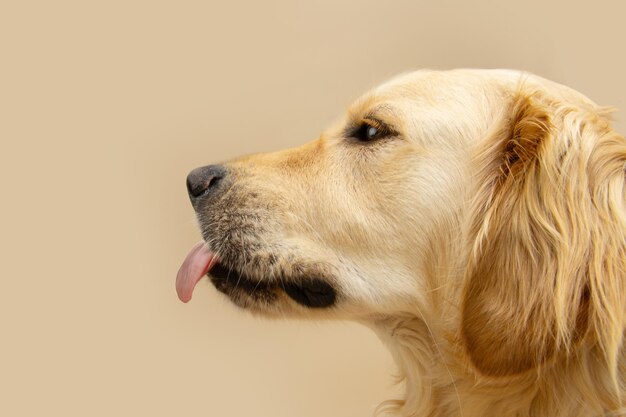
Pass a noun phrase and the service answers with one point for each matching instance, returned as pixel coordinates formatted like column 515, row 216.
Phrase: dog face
column 346, row 225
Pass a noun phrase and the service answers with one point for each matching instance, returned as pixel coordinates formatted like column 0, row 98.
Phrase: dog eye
column 371, row 130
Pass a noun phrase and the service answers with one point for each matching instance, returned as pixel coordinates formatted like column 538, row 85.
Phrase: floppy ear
column 548, row 262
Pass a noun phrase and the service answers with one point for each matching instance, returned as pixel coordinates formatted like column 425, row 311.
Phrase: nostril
column 213, row 181
column 203, row 180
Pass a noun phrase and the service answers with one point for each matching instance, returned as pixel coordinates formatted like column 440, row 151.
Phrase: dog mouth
column 312, row 292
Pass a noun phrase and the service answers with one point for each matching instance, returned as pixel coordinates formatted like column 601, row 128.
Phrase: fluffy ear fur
column 547, row 271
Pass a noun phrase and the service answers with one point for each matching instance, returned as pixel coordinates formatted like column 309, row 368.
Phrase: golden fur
column 485, row 242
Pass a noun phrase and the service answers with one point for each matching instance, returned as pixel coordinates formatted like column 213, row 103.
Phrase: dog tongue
column 197, row 263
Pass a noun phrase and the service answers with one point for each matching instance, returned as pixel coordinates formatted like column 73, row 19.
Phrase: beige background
column 104, row 108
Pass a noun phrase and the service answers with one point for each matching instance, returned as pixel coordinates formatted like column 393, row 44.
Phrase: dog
column 474, row 219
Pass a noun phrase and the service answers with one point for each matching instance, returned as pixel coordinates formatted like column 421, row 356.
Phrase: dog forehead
column 426, row 83
column 428, row 89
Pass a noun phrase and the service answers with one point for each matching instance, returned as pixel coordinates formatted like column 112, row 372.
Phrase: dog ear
column 546, row 269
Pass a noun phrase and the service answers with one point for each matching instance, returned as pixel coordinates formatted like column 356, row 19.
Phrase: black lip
column 308, row 292
column 229, row 279
column 312, row 292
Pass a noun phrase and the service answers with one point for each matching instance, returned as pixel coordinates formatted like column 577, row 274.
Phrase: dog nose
column 204, row 180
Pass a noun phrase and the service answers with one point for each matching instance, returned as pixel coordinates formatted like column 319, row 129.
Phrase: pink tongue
column 194, row 267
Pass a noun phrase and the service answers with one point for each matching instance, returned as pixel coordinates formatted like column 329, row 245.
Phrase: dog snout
column 205, row 181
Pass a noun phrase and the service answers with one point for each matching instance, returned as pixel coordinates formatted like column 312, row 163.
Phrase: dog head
column 344, row 224
column 455, row 194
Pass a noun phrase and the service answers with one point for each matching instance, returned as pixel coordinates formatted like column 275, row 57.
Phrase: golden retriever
column 475, row 219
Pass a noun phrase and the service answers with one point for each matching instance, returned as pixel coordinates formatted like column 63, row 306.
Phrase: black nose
column 204, row 180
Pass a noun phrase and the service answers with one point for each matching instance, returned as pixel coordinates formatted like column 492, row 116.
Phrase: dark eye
column 370, row 130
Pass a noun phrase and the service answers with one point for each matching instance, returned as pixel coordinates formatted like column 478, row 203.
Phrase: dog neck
column 440, row 382
column 410, row 342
